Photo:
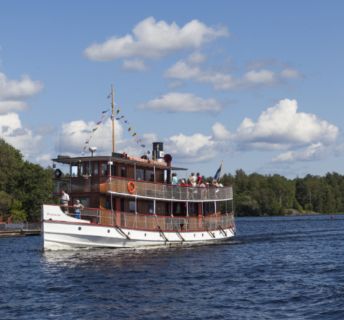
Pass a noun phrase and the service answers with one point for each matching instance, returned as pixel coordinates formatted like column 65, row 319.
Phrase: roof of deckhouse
column 129, row 160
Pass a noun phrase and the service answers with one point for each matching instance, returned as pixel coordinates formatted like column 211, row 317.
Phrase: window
column 94, row 168
column 104, row 169
column 193, row 209
column 140, row 174
column 151, row 207
column 132, row 206
column 149, row 175
column 208, row 208
column 123, row 171
column 85, row 169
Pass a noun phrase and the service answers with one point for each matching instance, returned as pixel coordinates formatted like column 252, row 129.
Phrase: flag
column 217, row 175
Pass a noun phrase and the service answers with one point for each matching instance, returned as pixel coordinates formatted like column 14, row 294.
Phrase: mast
column 113, row 118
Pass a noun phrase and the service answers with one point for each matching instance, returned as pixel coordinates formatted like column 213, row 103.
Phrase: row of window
column 103, row 169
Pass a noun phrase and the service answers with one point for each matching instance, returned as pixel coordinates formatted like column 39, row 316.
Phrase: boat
column 129, row 202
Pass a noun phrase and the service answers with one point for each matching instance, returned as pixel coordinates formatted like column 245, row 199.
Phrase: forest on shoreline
column 25, row 186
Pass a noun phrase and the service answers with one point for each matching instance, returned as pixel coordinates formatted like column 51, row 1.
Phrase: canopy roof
column 126, row 160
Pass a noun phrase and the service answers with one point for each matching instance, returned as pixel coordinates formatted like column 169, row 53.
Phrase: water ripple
column 276, row 268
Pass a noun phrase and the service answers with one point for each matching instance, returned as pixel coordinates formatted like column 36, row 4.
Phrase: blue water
column 276, row 268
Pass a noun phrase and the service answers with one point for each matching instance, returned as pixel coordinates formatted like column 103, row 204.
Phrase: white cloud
column 182, row 71
column 8, row 106
column 196, row 58
column 74, row 134
column 312, row 152
column 193, row 148
column 290, row 74
column 259, row 77
column 283, row 127
column 182, row 102
column 191, row 70
column 134, row 65
column 220, row 132
column 154, row 39
column 18, row 89
column 23, row 139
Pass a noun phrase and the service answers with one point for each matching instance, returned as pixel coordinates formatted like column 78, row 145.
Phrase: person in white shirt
column 64, row 200
column 193, row 179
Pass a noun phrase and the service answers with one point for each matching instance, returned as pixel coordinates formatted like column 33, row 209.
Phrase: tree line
column 256, row 194
column 25, row 186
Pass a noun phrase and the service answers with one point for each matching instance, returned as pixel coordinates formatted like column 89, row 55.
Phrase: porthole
column 79, row 228
column 128, row 233
column 108, row 231
column 202, row 234
column 194, row 235
column 145, row 234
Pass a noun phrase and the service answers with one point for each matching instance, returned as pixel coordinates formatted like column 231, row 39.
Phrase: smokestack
column 158, row 151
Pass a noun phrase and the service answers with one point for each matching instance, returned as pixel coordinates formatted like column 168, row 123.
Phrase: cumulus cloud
column 191, row 70
column 12, row 92
column 154, row 39
column 282, row 127
column 182, row 102
column 220, row 132
column 18, row 89
column 134, row 65
column 312, row 152
column 23, row 139
column 9, row 106
column 74, row 134
column 259, row 77
column 196, row 147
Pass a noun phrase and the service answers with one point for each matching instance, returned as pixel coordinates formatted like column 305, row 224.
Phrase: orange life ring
column 131, row 187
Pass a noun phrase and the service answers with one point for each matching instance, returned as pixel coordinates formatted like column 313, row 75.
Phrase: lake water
column 276, row 268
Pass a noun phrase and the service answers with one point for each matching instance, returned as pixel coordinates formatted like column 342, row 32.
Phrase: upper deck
column 150, row 179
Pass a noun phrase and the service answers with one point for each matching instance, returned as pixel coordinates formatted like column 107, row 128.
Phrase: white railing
column 164, row 191
column 155, row 222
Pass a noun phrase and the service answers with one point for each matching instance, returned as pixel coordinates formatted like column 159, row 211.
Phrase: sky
column 255, row 84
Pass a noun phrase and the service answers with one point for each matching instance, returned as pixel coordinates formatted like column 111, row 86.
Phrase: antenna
column 113, row 118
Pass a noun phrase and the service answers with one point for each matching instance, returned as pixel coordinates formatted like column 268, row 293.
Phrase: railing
column 163, row 191
column 155, row 222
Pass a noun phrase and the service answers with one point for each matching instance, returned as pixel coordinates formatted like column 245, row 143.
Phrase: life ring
column 58, row 173
column 131, row 187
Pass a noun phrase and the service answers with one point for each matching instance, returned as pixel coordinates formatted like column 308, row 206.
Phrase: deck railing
column 155, row 222
column 145, row 189
column 164, row 191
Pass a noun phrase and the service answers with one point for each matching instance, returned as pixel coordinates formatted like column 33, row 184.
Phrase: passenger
column 183, row 183
column 215, row 183
column 174, row 178
column 192, row 180
column 199, row 179
column 64, row 201
column 77, row 209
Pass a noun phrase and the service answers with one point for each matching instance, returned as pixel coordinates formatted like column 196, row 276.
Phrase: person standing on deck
column 174, row 178
column 193, row 180
column 77, row 209
column 64, row 201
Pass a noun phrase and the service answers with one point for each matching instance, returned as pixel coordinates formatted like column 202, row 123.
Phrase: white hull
column 63, row 232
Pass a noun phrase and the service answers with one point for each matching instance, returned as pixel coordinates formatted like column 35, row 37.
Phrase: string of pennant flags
column 118, row 117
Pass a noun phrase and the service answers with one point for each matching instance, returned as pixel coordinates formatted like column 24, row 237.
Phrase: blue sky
column 257, row 84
